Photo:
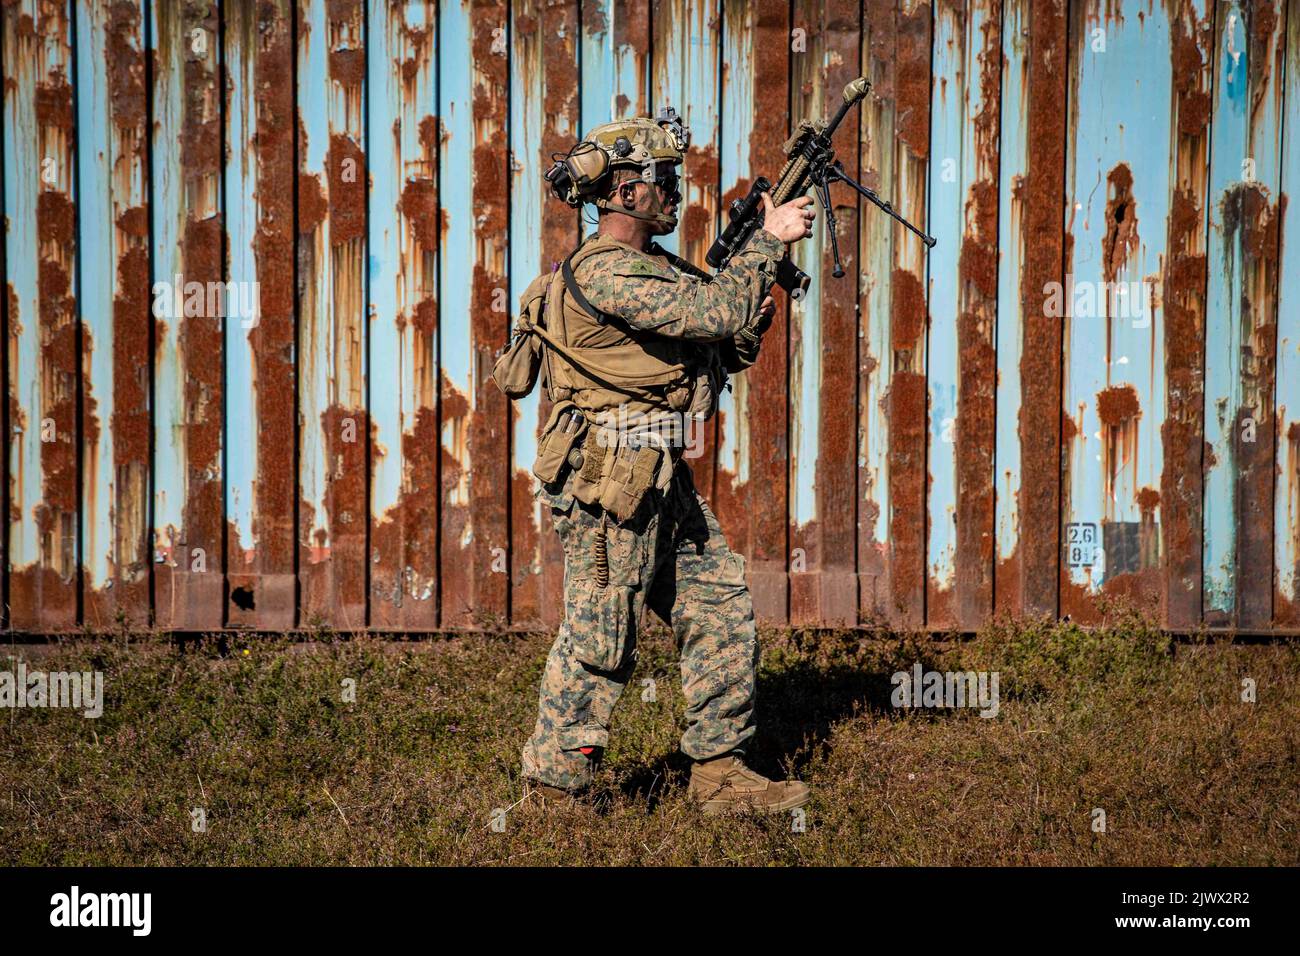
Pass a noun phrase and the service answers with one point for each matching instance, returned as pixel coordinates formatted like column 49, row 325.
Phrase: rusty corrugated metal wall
column 259, row 255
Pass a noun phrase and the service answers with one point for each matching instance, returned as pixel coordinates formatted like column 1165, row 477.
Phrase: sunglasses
column 670, row 183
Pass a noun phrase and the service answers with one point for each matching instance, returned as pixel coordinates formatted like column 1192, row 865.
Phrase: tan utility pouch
column 631, row 476
column 516, row 369
column 564, row 430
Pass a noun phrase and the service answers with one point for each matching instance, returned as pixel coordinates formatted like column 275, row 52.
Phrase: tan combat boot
column 544, row 795
column 725, row 783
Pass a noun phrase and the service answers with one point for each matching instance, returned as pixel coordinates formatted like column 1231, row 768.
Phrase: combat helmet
column 583, row 175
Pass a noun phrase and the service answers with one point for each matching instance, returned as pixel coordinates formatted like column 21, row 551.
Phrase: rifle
column 810, row 163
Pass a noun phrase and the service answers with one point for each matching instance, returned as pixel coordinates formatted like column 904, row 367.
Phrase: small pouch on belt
column 564, row 429
column 516, row 368
column 518, row 365
column 631, row 476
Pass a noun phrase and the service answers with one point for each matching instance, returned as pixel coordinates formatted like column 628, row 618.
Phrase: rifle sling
column 572, row 285
column 680, row 263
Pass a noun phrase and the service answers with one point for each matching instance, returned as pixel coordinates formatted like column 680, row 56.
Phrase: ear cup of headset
column 561, row 183
column 587, row 164
column 577, row 175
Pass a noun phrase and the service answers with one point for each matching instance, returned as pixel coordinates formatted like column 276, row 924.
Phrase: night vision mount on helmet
column 583, row 175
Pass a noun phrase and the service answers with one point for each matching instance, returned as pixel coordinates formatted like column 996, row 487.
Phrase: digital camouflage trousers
column 671, row 557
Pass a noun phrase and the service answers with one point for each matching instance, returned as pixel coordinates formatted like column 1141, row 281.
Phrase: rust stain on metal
column 487, row 443
column 1135, row 590
column 457, row 599
column 1117, row 405
column 467, row 561
column 14, row 328
column 593, row 17
column 908, row 415
column 129, row 565
column 876, row 147
column 202, row 342
column 807, row 75
column 836, row 454
column 1263, row 21
column 1248, row 213
column 912, row 79
column 43, row 596
column 1189, row 42
column 1069, row 429
column 979, row 252
column 1041, row 417
column 1121, row 237
column 54, row 104
column 134, row 222
column 906, row 324
column 754, row 513
column 728, row 489
column 538, row 596
column 977, row 396
column 419, row 200
column 419, row 58
column 126, row 66
column 975, row 445
column 261, row 576
column 1118, row 410
column 1184, row 283
column 1008, row 582
column 342, row 10
column 346, row 166
column 182, row 597
column 826, row 592
column 419, row 204
column 312, row 205
column 404, row 540
column 336, row 572
column 632, row 32
column 701, row 166
column 348, row 66
column 130, row 423
column 907, row 397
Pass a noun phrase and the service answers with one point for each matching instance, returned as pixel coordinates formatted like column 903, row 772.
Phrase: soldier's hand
column 762, row 319
column 790, row 221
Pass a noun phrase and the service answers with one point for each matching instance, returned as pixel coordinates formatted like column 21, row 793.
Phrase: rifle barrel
column 853, row 93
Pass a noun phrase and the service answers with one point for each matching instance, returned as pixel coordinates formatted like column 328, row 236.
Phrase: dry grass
column 412, row 772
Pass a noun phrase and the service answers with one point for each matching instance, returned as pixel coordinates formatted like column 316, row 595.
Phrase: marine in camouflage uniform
column 670, row 554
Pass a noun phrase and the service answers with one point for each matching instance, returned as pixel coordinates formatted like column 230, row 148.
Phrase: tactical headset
column 582, row 175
